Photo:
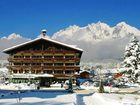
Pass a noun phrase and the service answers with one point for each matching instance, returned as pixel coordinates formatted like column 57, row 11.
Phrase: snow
column 4, row 70
column 59, row 96
column 63, row 98
column 40, row 98
column 115, row 99
column 43, row 75
column 47, row 39
column 131, row 60
column 21, row 86
column 29, row 75
column 95, row 31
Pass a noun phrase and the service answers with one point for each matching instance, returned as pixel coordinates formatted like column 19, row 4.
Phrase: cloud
column 12, row 36
column 9, row 41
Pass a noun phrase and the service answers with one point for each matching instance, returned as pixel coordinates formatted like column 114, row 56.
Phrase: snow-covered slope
column 122, row 29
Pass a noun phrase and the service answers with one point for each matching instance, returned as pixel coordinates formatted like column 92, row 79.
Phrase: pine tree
column 70, row 87
column 132, row 60
column 101, row 87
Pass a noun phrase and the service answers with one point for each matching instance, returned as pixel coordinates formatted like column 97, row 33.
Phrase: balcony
column 48, row 67
column 72, row 68
column 59, row 67
column 26, row 60
column 36, row 59
column 36, row 67
column 15, row 67
column 48, row 60
column 59, row 59
column 77, row 59
column 69, row 68
column 59, row 75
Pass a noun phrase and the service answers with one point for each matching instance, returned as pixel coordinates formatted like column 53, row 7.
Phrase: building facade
column 44, row 56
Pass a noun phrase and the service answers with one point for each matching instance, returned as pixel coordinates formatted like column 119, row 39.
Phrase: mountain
column 95, row 31
column 100, row 42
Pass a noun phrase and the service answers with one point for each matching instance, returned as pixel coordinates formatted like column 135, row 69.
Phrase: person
column 28, row 83
column 38, row 85
column 62, row 84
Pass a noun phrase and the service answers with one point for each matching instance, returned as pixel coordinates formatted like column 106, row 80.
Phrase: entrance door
column 45, row 82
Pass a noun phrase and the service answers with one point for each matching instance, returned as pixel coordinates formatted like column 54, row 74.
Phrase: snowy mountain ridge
column 95, row 31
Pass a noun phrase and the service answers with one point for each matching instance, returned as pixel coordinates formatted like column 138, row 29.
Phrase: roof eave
column 14, row 47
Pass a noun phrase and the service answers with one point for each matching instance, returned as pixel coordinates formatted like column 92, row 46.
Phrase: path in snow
column 84, row 99
column 81, row 96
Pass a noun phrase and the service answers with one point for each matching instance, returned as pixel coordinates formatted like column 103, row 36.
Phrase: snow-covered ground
column 39, row 98
column 21, row 86
column 115, row 99
column 51, row 97
column 59, row 96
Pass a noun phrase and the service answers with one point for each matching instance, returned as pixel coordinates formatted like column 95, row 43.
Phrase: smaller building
column 84, row 74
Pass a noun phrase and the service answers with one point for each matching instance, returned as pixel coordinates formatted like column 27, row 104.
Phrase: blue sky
column 28, row 17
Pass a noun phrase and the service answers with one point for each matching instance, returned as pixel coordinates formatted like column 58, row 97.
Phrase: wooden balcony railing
column 48, row 67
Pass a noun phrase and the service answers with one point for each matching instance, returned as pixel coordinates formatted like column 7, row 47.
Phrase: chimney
column 43, row 32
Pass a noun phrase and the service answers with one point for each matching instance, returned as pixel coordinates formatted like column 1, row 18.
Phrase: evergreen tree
column 132, row 60
column 70, row 87
column 101, row 87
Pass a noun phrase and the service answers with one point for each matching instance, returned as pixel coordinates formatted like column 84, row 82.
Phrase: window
column 38, row 72
column 14, row 71
column 26, row 71
column 20, row 71
column 48, row 64
column 18, row 57
column 69, row 72
column 36, row 56
column 58, row 72
column 36, row 64
column 27, row 56
column 69, row 64
column 47, row 71
column 33, row 71
column 48, row 56
column 17, row 64
column 58, row 64
column 27, row 64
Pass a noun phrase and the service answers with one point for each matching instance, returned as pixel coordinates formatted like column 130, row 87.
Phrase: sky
column 29, row 17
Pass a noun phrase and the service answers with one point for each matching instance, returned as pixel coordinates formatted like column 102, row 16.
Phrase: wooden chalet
column 44, row 56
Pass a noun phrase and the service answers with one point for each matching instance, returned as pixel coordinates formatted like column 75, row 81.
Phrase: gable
column 41, row 44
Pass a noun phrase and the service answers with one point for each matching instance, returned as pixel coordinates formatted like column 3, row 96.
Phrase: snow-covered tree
column 132, row 60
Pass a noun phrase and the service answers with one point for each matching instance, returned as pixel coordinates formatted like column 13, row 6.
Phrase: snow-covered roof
column 43, row 75
column 84, row 71
column 29, row 75
column 44, row 38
